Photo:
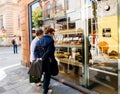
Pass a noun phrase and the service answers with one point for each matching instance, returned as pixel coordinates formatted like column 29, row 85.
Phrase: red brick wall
column 24, row 25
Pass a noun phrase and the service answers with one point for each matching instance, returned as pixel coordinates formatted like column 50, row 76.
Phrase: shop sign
column 3, row 30
column 3, row 37
column 2, row 27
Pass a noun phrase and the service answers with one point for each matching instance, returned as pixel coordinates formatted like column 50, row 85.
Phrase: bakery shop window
column 106, row 32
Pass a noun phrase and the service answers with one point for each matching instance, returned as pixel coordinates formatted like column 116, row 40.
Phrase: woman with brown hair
column 47, row 43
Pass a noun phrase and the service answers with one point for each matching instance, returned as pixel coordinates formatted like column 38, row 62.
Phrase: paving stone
column 29, row 89
column 15, row 85
column 2, row 74
column 10, row 92
column 2, row 90
column 59, row 88
column 17, row 82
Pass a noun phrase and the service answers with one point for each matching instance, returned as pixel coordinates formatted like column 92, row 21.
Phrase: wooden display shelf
column 66, row 45
column 69, row 31
column 71, row 62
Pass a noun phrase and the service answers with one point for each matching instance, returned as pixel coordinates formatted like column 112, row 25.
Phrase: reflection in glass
column 36, row 18
column 103, row 67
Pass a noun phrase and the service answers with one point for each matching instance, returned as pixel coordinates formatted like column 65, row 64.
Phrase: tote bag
column 54, row 68
column 35, row 71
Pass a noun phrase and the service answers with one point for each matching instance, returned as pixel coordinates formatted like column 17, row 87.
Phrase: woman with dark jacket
column 47, row 43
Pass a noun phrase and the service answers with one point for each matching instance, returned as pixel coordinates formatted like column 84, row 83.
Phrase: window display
column 103, row 68
column 95, row 66
column 68, row 47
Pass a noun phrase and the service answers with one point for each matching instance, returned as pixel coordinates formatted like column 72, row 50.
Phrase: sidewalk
column 16, row 82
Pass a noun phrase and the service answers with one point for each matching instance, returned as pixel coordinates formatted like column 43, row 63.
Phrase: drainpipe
column 118, row 15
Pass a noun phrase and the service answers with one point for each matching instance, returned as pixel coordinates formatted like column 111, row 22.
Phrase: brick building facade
column 25, row 31
column 24, row 25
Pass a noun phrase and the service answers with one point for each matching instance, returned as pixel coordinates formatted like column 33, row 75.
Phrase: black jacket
column 47, row 43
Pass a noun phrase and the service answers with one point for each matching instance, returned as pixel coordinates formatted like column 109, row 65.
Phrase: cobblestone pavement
column 16, row 82
column 8, row 58
column 14, row 78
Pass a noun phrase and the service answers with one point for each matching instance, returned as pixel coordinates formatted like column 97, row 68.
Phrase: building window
column 1, row 21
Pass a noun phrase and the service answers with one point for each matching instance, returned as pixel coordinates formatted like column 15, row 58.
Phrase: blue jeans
column 46, row 82
column 15, row 48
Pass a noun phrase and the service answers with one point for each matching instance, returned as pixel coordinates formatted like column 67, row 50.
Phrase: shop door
column 104, row 38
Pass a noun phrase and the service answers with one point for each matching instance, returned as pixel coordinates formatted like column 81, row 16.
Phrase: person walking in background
column 47, row 43
column 33, row 55
column 15, row 44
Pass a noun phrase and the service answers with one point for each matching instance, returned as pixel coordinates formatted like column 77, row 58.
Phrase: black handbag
column 54, row 68
column 33, row 79
column 35, row 71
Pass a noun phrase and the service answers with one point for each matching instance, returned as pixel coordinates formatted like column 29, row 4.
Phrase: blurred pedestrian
column 33, row 52
column 48, row 43
column 15, row 44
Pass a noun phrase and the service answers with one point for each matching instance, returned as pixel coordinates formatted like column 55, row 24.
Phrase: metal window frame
column 118, row 14
column 30, row 17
